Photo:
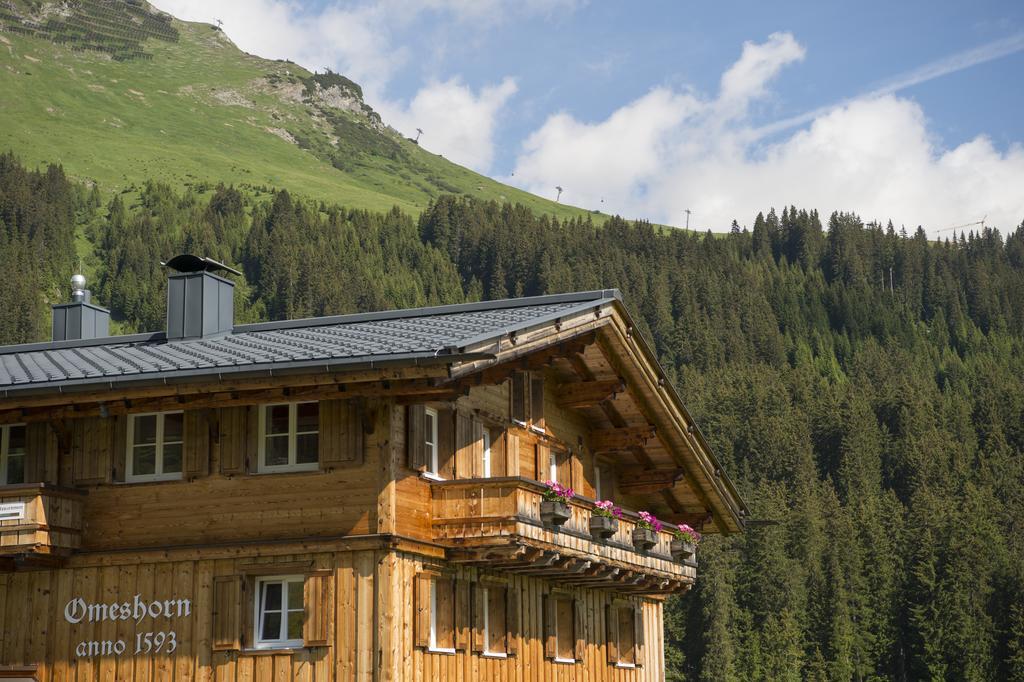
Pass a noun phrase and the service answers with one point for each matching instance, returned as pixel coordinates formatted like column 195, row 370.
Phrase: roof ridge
column 350, row 318
column 454, row 308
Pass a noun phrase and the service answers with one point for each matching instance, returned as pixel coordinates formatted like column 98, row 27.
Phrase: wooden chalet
column 356, row 497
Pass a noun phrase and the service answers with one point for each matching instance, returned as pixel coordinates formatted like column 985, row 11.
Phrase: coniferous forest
column 862, row 385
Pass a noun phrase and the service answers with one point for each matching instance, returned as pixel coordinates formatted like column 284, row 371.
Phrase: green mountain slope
column 118, row 92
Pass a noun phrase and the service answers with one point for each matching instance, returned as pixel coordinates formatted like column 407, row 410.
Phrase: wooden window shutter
column 577, row 629
column 197, row 443
column 227, row 612
column 511, row 454
column 41, row 453
column 233, row 439
column 511, row 621
column 250, row 460
column 464, row 465
column 317, row 598
column 565, row 476
column 119, row 458
column 499, row 466
column 479, row 626
column 341, row 433
column 469, row 446
column 446, row 443
column 91, row 445
column 463, row 621
column 421, row 610
column 550, row 627
column 519, row 396
column 611, row 626
column 638, row 634
column 477, row 447
column 416, row 449
column 543, row 458
column 537, row 399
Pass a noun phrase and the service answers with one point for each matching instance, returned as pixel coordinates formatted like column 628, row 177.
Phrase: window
column 553, row 466
column 12, row 454
column 625, row 634
column 527, row 399
column 442, row 615
column 627, row 646
column 279, row 612
column 494, row 621
column 486, row 468
column 154, row 446
column 430, row 441
column 565, row 630
column 289, row 437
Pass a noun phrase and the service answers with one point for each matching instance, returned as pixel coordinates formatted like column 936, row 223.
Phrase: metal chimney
column 199, row 303
column 80, row 319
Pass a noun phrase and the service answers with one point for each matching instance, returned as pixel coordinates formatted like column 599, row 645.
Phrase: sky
column 906, row 111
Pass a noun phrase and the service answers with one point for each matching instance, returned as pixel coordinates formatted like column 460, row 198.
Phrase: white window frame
column 5, row 445
column 487, row 627
column 433, row 622
column 158, row 468
column 258, row 641
column 293, row 434
column 430, row 416
column 487, row 454
column 553, row 466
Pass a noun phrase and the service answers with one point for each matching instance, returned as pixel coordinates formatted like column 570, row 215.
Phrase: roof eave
column 174, row 377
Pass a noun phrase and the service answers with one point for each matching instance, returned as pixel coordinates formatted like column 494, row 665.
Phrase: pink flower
column 556, row 491
column 684, row 532
column 648, row 521
column 607, row 508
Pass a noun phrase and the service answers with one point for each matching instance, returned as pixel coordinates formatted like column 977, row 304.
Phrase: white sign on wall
column 80, row 611
column 12, row 511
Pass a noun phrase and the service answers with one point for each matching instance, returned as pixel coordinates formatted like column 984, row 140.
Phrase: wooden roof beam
column 641, row 481
column 585, row 394
column 621, row 438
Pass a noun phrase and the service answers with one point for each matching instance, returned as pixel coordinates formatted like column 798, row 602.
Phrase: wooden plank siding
column 369, row 612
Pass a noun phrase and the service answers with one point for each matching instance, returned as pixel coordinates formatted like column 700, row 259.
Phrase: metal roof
column 436, row 334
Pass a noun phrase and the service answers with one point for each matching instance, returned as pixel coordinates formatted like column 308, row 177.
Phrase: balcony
column 40, row 525
column 496, row 522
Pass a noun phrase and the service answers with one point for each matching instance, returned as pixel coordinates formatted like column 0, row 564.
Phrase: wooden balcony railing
column 497, row 522
column 39, row 524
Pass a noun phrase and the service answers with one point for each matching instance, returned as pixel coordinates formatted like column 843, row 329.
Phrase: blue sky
column 623, row 103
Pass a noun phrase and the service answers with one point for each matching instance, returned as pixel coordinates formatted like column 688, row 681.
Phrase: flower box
column 644, row 539
column 554, row 512
column 683, row 551
column 603, row 527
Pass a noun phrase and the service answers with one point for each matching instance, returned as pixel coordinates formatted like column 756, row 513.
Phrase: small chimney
column 199, row 303
column 80, row 319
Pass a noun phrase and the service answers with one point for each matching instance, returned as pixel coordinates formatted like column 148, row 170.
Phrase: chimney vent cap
column 189, row 263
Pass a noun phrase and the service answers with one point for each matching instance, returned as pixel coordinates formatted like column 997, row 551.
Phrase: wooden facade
column 410, row 536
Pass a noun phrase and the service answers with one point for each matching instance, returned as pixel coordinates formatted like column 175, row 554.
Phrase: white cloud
column 748, row 78
column 455, row 120
column 668, row 151
column 609, row 162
